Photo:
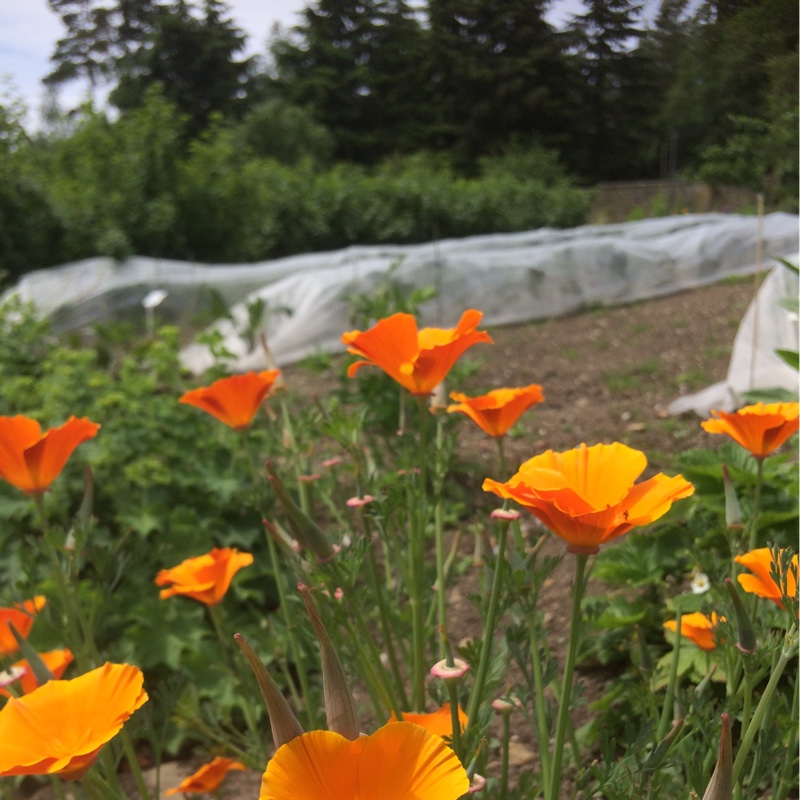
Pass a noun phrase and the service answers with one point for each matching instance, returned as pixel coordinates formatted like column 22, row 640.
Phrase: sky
column 29, row 31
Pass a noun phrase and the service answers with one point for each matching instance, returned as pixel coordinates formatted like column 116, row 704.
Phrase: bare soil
column 608, row 375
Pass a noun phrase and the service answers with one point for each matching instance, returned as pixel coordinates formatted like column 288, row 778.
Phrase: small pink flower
column 478, row 783
column 357, row 502
column 309, row 478
column 332, row 462
column 505, row 705
column 506, row 514
column 338, row 593
column 441, row 670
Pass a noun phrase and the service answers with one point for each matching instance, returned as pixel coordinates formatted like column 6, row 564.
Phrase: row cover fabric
column 766, row 327
column 512, row 278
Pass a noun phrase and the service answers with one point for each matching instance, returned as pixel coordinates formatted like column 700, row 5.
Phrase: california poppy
column 234, row 400
column 398, row 761
column 758, row 428
column 699, row 628
column 496, row 411
column 60, row 727
column 56, row 661
column 420, row 359
column 204, row 578
column 208, row 778
column 761, row 582
column 32, row 460
column 439, row 722
column 587, row 496
column 21, row 617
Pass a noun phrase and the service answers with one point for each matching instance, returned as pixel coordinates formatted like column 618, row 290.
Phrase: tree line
column 704, row 89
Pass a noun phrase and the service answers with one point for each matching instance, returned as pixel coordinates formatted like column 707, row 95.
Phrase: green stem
column 452, row 691
column 438, row 526
column 569, row 668
column 386, row 627
column 540, row 709
column 669, row 696
column 416, row 571
column 215, row 613
column 489, row 624
column 133, row 762
column 503, row 793
column 756, row 502
column 311, row 715
column 786, row 778
column 787, row 653
column 747, row 700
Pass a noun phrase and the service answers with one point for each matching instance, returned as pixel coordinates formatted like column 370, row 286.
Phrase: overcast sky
column 29, row 30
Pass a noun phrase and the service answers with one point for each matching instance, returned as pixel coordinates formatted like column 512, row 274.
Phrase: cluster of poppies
column 587, row 496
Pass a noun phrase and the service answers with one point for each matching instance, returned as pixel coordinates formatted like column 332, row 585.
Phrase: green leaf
column 791, row 357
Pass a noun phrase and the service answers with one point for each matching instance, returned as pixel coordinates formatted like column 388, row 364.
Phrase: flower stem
column 438, row 527
column 452, row 690
column 756, row 502
column 540, row 709
column 669, row 697
column 489, row 623
column 133, row 762
column 569, row 668
column 787, row 653
column 504, row 764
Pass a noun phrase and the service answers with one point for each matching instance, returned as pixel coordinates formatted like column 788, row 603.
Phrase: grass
column 631, row 377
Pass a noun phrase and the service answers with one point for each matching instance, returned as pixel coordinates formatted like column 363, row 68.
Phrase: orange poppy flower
column 32, row 460
column 21, row 616
column 55, row 660
column 439, row 722
column 398, row 761
column 498, row 410
column 234, row 400
column 587, row 496
column 204, row 578
column 208, row 778
column 761, row 582
column 699, row 628
column 418, row 360
column 758, row 428
column 61, row 727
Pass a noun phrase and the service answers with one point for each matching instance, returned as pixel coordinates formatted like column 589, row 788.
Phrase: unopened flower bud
column 458, row 669
column 746, row 633
column 733, row 512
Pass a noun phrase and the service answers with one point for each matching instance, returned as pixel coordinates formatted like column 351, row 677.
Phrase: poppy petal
column 61, row 726
column 403, row 760
column 319, row 765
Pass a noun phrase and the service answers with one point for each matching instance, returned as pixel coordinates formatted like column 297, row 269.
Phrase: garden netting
column 304, row 302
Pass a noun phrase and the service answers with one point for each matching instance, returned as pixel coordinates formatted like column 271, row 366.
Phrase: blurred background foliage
column 379, row 121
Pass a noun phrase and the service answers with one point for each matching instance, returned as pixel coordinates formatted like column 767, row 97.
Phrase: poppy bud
column 339, row 707
column 720, row 787
column 746, row 634
column 733, row 512
column 305, row 530
column 282, row 720
column 39, row 669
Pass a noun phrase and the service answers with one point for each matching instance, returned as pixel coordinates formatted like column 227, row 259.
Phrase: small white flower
column 154, row 298
column 700, row 583
column 11, row 676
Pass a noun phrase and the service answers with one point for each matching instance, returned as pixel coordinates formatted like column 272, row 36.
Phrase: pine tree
column 193, row 59
column 357, row 66
column 612, row 83
column 98, row 35
column 497, row 73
